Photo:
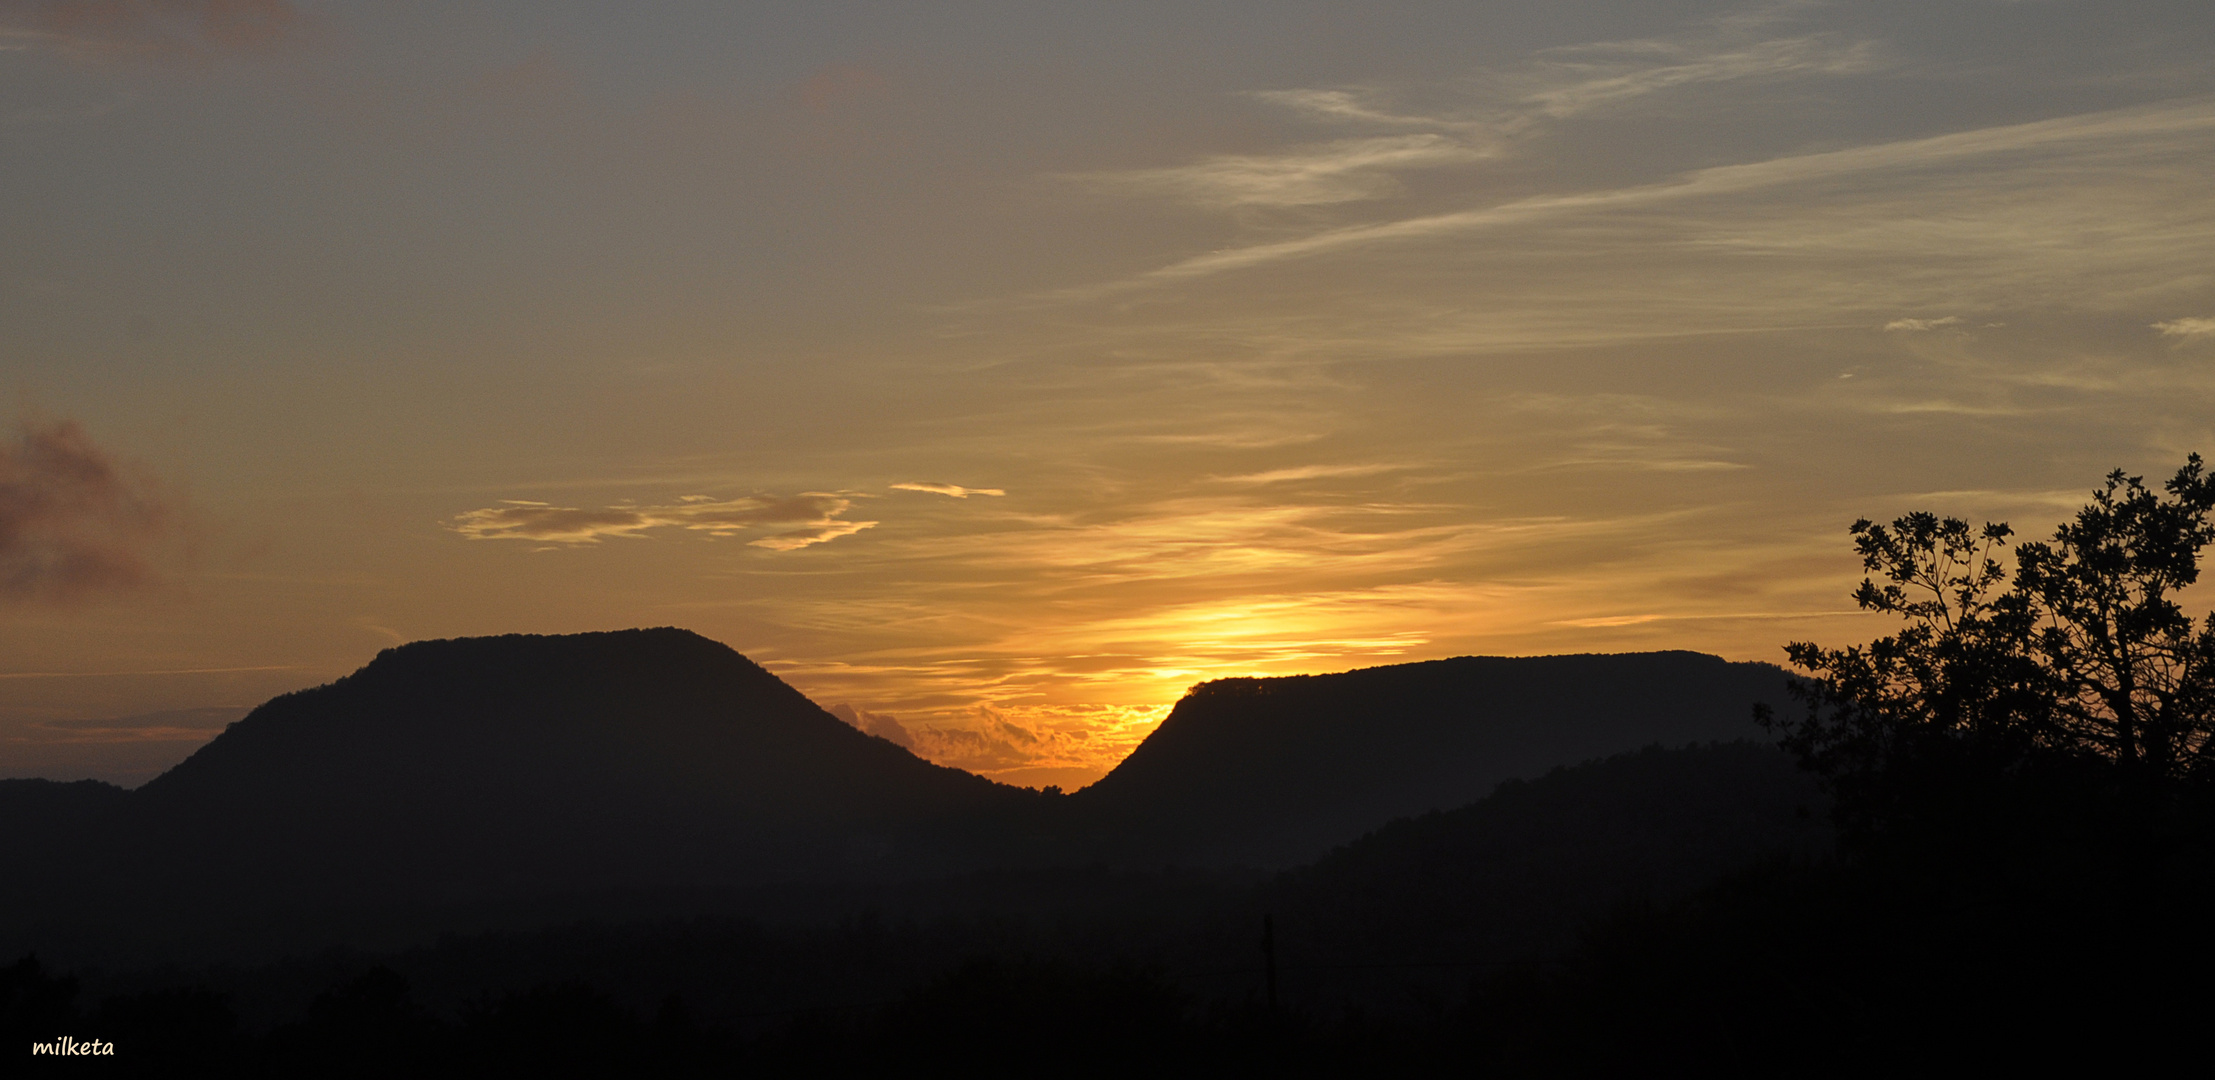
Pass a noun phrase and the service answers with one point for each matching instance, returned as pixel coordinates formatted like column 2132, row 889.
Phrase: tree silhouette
column 2134, row 678
column 2083, row 660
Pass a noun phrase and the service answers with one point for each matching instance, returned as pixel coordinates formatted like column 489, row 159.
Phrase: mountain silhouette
column 1275, row 772
column 613, row 774
column 830, row 900
column 489, row 771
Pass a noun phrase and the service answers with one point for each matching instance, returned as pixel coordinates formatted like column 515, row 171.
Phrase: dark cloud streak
column 151, row 29
column 73, row 522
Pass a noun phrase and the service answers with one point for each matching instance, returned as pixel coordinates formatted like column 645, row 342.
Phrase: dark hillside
column 452, row 774
column 52, row 836
column 43, row 826
column 1516, row 876
column 33, row 807
column 1392, row 928
column 1273, row 772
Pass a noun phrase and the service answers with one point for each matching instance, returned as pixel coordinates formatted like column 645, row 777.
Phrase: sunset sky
column 1006, row 369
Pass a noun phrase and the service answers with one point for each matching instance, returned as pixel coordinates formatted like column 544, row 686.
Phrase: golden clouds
column 1067, row 627
column 818, row 533
column 1224, row 538
column 1917, row 325
column 1068, row 746
column 1467, row 345
column 1305, row 472
column 816, row 515
column 955, row 490
column 1416, row 419
column 989, row 742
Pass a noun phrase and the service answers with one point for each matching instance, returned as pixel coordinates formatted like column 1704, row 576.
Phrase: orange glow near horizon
column 1008, row 376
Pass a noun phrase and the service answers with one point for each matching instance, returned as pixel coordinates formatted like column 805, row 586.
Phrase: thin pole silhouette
column 1269, row 959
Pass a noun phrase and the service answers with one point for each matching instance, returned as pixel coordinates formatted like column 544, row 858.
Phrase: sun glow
column 1011, row 426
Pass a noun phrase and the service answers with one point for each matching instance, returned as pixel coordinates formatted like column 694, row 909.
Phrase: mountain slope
column 1273, row 772
column 488, row 771
column 1516, row 874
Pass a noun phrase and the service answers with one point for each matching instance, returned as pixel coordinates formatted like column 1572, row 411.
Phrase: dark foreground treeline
column 1604, row 920
column 1011, row 966
column 1775, row 971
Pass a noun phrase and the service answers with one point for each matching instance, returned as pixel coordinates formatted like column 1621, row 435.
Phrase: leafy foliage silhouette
column 2080, row 660
column 2022, row 775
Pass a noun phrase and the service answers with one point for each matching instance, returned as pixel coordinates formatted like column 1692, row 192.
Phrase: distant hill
column 123, row 750
column 490, row 771
column 1275, row 772
column 43, row 822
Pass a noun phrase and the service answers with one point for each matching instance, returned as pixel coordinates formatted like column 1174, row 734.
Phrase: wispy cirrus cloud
column 955, row 490
column 2095, row 211
column 2096, row 134
column 1345, row 170
column 1915, row 325
column 2186, row 328
column 1492, row 113
column 1579, row 79
column 806, row 519
column 1352, row 105
column 1224, row 538
column 1611, row 621
column 1296, row 473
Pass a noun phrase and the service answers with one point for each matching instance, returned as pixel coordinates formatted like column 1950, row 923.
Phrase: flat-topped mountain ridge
column 662, row 715
column 504, row 772
column 643, row 757
column 497, row 773
column 1276, row 771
